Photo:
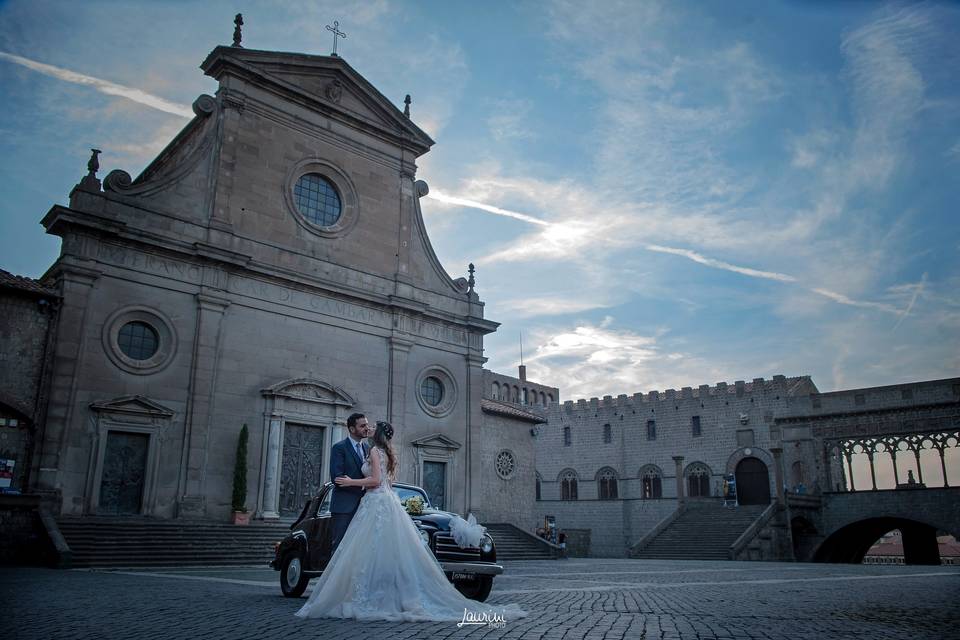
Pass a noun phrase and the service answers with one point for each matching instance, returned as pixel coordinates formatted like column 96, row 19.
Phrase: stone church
column 269, row 268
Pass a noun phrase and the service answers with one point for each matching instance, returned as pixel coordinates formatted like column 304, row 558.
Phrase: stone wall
column 508, row 499
column 24, row 326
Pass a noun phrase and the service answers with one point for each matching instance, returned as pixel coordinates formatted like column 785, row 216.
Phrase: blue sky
column 671, row 194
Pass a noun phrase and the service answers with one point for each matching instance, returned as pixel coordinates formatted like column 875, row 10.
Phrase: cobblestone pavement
column 575, row 599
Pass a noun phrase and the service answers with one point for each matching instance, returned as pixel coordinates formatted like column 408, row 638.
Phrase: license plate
column 464, row 576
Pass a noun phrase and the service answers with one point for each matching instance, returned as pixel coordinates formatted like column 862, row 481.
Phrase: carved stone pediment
column 133, row 405
column 325, row 81
column 310, row 390
column 437, row 441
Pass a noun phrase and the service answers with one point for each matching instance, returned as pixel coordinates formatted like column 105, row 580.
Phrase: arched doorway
column 753, row 482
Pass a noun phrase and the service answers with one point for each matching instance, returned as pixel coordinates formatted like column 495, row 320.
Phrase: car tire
column 478, row 589
column 293, row 582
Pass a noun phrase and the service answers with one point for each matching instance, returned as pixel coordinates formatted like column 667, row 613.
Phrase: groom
column 346, row 458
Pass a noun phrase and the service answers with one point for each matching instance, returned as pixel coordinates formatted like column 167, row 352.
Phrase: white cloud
column 509, row 120
column 103, row 86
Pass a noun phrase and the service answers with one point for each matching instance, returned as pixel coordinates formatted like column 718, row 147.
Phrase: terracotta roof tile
column 22, row 283
column 510, row 411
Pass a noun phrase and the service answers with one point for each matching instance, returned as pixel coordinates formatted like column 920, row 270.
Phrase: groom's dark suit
column 344, row 462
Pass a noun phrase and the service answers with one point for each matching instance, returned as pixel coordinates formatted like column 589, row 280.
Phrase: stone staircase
column 514, row 544
column 703, row 531
column 144, row 542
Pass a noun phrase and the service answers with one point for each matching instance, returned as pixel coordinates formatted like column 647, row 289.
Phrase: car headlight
column 424, row 537
column 486, row 544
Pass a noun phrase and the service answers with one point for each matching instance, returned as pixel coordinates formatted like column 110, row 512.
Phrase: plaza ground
column 573, row 599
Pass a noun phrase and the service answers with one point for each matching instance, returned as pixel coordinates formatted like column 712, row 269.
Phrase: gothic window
column 138, row 340
column 566, row 436
column 568, row 485
column 607, row 484
column 651, row 430
column 651, row 482
column 695, row 426
column 698, row 480
column 317, row 200
column 607, row 437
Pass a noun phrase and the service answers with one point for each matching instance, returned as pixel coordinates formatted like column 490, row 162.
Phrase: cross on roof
column 336, row 34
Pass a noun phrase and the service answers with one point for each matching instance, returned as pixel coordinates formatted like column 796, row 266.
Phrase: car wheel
column 293, row 582
column 477, row 589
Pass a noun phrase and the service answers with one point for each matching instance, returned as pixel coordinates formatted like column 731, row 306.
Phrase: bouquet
column 413, row 505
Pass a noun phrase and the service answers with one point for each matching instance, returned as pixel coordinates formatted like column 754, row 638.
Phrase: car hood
column 432, row 517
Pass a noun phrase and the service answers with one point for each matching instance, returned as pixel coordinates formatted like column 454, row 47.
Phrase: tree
column 240, row 473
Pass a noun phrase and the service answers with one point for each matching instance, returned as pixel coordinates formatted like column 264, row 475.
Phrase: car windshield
column 404, row 493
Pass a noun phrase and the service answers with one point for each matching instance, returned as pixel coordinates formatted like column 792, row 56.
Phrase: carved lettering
column 148, row 263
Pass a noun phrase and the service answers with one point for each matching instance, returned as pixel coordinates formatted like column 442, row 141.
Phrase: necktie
column 359, row 451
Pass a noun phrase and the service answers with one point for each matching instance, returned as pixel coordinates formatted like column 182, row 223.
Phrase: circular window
column 321, row 198
column 436, row 391
column 432, row 391
column 317, row 200
column 506, row 464
column 138, row 340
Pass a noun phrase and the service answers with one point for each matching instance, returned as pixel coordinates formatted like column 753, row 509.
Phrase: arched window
column 526, row 399
column 549, row 397
column 538, row 485
column 566, row 436
column 651, row 482
column 651, row 429
column 496, row 390
column 607, row 436
column 516, row 395
column 568, row 484
column 607, row 484
column 698, row 480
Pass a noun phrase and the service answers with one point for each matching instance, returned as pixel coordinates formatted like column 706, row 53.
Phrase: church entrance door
column 124, row 471
column 300, row 471
column 753, row 482
column 435, row 483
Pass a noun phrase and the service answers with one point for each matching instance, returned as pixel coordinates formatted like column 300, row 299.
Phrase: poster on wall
column 6, row 472
column 730, row 490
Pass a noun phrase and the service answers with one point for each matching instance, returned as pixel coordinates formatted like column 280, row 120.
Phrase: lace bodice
column 368, row 472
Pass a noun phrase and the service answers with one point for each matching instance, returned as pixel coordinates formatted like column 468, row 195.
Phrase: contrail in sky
column 696, row 257
column 103, row 86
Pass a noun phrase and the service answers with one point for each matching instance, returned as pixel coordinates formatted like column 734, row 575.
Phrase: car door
column 320, row 533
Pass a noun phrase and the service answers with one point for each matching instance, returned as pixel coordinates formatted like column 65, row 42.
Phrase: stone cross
column 336, row 34
column 237, row 35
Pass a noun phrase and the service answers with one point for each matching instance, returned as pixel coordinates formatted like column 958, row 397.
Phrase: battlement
column 778, row 384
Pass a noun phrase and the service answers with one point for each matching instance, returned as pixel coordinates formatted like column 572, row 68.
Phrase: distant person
column 562, row 541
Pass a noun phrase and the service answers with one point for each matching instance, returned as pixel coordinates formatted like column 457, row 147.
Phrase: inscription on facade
column 123, row 257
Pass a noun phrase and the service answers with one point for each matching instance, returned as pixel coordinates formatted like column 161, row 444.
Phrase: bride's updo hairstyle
column 381, row 438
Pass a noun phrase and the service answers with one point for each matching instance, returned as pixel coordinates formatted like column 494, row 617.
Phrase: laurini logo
column 494, row 620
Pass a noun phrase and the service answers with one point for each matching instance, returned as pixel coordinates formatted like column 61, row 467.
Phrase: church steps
column 514, row 544
column 704, row 531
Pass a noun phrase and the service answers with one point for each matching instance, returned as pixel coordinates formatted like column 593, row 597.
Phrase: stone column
column 679, row 462
column 271, row 476
column 199, row 414
column 778, row 473
column 873, row 471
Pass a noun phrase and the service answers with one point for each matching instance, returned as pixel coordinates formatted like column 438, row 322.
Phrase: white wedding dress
column 382, row 571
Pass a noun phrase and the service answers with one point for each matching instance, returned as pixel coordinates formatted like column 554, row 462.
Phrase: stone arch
column 850, row 543
column 543, row 399
column 753, row 481
column 495, row 390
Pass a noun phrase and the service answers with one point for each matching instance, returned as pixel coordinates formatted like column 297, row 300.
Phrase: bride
column 381, row 570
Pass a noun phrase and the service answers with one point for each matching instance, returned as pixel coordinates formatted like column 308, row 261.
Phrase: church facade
column 269, row 268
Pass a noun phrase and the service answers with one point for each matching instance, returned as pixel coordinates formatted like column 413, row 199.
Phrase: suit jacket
column 343, row 462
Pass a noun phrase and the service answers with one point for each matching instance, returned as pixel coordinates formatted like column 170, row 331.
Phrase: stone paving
column 577, row 599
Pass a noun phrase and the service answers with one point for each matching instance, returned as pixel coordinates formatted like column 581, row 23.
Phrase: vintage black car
column 305, row 551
